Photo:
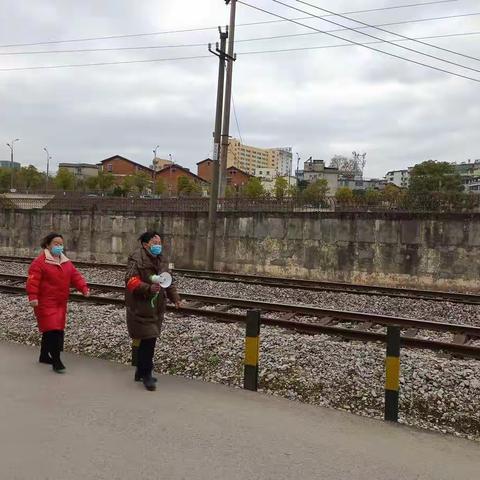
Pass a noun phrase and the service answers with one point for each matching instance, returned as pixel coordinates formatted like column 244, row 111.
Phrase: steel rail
column 308, row 328
column 296, row 283
column 298, row 309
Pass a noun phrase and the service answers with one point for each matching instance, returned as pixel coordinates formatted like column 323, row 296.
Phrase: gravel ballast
column 437, row 392
column 404, row 307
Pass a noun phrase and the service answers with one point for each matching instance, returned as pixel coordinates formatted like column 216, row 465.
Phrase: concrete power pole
column 228, row 99
column 212, row 209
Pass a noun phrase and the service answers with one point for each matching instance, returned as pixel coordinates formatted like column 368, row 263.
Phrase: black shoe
column 58, row 367
column 149, row 383
column 139, row 377
column 45, row 359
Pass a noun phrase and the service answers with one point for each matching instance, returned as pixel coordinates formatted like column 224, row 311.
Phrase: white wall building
column 283, row 159
column 265, row 173
column 316, row 170
column 400, row 178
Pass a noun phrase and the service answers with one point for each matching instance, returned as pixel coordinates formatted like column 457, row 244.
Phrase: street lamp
column 48, row 165
column 170, row 187
column 11, row 147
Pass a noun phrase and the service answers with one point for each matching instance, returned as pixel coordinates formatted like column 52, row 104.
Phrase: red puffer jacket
column 49, row 282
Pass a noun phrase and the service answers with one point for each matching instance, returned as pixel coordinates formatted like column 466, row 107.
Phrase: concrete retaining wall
column 434, row 250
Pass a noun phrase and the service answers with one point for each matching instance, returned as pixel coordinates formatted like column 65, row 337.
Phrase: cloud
column 321, row 102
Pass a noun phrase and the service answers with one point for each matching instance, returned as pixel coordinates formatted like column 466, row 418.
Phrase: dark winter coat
column 143, row 319
column 49, row 282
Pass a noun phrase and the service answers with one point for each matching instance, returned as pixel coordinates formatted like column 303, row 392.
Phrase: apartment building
column 400, row 178
column 316, row 170
column 248, row 158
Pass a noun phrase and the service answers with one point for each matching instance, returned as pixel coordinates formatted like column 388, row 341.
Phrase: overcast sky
column 321, row 102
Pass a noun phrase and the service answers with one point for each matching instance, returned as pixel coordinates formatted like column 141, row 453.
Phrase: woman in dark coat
column 145, row 302
column 50, row 277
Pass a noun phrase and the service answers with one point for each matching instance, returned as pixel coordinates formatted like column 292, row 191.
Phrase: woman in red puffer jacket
column 50, row 277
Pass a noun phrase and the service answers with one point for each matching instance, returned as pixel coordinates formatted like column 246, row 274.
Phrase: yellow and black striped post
column 392, row 374
column 252, row 350
column 135, row 347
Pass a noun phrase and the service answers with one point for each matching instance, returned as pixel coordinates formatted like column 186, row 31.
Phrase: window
column 109, row 167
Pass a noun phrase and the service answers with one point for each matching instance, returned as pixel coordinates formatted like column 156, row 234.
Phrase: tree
column 338, row 161
column 302, row 185
column 349, row 167
column 91, row 183
column 64, row 179
column 293, row 191
column 254, row 188
column 141, row 180
column 128, row 184
column 230, row 192
column 188, row 188
column 183, row 185
column 280, row 188
column 344, row 195
column 372, row 196
column 5, row 176
column 391, row 193
column 316, row 192
column 118, row 191
column 160, row 186
column 29, row 178
column 196, row 190
column 105, row 181
column 431, row 176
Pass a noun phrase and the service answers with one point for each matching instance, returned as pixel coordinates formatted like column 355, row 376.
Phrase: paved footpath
column 96, row 423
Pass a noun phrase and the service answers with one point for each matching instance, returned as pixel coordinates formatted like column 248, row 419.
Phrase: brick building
column 235, row 176
column 171, row 173
column 120, row 167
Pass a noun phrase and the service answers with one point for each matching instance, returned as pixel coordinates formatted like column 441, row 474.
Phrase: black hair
column 48, row 239
column 147, row 236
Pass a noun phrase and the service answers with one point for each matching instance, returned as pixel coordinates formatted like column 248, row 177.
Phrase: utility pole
column 11, row 147
column 212, row 210
column 228, row 99
column 48, row 165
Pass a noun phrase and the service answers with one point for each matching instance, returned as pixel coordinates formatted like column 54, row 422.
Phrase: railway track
column 302, row 284
column 344, row 324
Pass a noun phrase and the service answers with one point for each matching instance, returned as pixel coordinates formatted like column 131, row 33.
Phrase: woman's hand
column 155, row 288
column 34, row 303
column 178, row 304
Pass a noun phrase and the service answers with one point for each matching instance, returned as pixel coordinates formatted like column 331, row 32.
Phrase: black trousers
column 52, row 344
column 146, row 351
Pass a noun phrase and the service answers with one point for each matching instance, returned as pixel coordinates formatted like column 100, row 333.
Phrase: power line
column 255, row 52
column 200, row 29
column 388, row 31
column 409, row 49
column 113, row 49
column 254, row 39
column 99, row 64
column 349, row 44
column 363, row 45
column 273, row 37
column 236, row 120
